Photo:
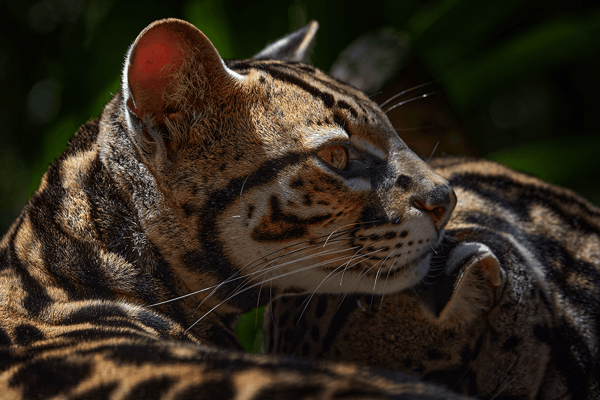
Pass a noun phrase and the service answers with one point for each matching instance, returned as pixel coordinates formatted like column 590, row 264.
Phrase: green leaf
column 250, row 330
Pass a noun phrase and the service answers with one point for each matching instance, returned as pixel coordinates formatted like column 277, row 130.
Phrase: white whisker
column 404, row 92
column 408, row 101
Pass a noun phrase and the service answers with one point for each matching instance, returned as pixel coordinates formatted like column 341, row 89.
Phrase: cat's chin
column 353, row 280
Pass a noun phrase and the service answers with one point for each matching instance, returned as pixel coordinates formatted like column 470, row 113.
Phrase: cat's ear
column 295, row 46
column 474, row 284
column 171, row 69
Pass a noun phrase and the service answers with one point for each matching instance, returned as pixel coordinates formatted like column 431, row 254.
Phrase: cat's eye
column 335, row 156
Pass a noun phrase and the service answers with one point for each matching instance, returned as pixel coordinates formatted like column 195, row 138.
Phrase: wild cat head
column 269, row 171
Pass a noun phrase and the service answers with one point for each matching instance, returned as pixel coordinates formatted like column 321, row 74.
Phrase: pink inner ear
column 157, row 57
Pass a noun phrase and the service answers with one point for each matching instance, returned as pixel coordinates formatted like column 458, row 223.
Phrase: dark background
column 516, row 81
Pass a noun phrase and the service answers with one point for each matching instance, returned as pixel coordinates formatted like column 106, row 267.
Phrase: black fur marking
column 307, row 200
column 151, row 389
column 527, row 195
column 305, row 349
column 49, row 377
column 26, row 334
column 346, row 106
column 321, row 306
column 222, row 336
column 327, row 98
column 295, row 227
column 222, row 389
column 297, row 183
column 282, row 391
column 188, row 209
column 404, row 182
column 212, row 254
column 315, row 334
column 434, row 354
column 338, row 321
column 283, row 319
column 511, row 343
column 4, row 338
column 102, row 391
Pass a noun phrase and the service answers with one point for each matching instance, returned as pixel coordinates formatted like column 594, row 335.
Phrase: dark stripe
column 211, row 258
column 151, row 389
column 494, row 187
column 346, row 307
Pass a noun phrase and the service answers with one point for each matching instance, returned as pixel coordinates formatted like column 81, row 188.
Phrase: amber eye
column 335, row 156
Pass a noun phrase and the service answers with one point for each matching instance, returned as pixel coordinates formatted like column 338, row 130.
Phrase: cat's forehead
column 311, row 107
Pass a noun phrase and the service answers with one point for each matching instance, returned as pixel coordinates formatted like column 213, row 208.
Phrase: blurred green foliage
column 521, row 75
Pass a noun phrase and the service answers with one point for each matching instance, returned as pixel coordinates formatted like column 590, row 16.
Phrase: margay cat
column 511, row 310
column 204, row 188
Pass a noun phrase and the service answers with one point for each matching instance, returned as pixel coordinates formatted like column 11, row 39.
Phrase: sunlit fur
column 198, row 188
column 510, row 308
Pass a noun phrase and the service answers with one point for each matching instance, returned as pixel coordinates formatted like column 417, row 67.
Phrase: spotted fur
column 204, row 188
column 512, row 309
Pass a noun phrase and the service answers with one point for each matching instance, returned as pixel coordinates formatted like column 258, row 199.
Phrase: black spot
column 399, row 245
column 411, row 243
column 305, row 349
column 390, row 235
column 314, row 333
column 374, row 237
column 222, row 389
column 341, row 122
column 293, row 226
column 346, row 106
column 188, row 209
column 404, row 234
column 281, row 391
column 49, row 377
column 466, row 355
column 307, row 200
column 420, row 241
column 102, row 391
column 26, row 334
column 321, row 306
column 250, row 211
column 396, row 220
column 542, row 333
column 296, row 183
column 511, row 343
column 284, row 300
column 404, row 182
column 151, row 389
column 434, row 354
column 283, row 319
column 4, row 338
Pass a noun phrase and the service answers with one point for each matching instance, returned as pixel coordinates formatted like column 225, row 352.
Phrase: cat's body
column 511, row 311
column 202, row 190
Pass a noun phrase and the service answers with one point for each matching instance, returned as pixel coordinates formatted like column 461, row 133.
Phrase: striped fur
column 512, row 309
column 201, row 184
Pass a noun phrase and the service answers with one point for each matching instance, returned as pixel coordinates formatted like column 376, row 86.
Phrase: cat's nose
column 437, row 203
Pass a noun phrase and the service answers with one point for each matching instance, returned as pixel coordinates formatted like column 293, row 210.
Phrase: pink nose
column 438, row 204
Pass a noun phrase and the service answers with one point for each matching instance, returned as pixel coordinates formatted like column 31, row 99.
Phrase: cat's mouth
column 389, row 271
